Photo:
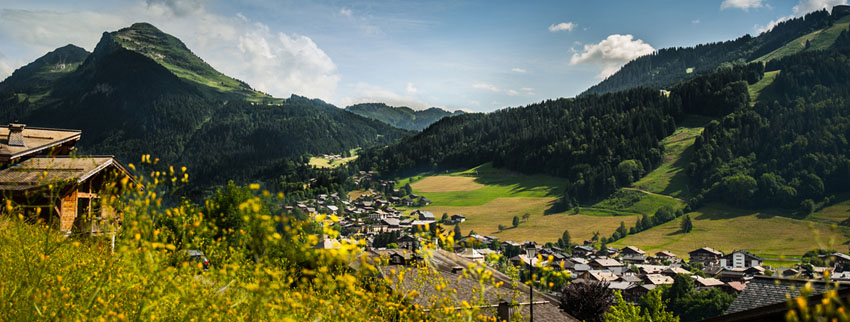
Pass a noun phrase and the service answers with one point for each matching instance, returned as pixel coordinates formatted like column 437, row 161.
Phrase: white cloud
column 806, row 6
column 518, row 70
column 611, row 53
column 489, row 87
column 345, row 12
column 369, row 93
column 801, row 9
column 741, row 4
column 568, row 26
column 695, row 21
column 275, row 62
column 511, row 92
column 411, row 89
column 6, row 69
column 527, row 89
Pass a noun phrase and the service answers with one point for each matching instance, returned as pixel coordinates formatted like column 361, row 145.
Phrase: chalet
column 666, row 256
column 709, row 282
column 458, row 218
column 426, row 215
column 657, row 279
column 406, row 202
column 650, row 269
column 38, row 173
column 390, row 222
column 635, row 293
column 740, row 259
column 633, row 255
column 408, row 242
column 605, row 263
column 333, row 209
column 838, row 259
column 423, row 202
column 706, row 256
column 673, row 271
column 599, row 275
column 583, row 251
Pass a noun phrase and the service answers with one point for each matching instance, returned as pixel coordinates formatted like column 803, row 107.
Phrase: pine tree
column 458, row 234
column 566, row 238
column 516, row 221
column 687, row 225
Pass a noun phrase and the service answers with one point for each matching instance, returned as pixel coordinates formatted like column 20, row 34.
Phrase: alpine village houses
column 39, row 174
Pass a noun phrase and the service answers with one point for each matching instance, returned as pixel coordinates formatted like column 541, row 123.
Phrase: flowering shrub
column 263, row 268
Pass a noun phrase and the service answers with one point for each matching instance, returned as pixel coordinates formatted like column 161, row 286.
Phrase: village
column 395, row 228
column 377, row 218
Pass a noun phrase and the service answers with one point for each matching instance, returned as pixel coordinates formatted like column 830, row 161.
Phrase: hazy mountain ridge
column 401, row 117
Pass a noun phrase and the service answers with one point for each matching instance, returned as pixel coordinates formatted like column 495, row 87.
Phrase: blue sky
column 471, row 55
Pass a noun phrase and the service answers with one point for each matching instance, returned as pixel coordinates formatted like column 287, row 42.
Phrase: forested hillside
column 128, row 104
column 791, row 150
column 401, row 117
column 668, row 66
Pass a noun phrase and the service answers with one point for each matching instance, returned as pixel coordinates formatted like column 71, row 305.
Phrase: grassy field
column 320, row 162
column 757, row 90
column 490, row 197
column 768, row 234
column 818, row 40
column 669, row 178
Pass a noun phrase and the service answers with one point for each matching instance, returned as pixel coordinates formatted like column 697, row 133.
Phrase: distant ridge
column 401, row 117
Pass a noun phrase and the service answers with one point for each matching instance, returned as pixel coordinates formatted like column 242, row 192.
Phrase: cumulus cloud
column 518, row 70
column 345, row 12
column 369, row 93
column 806, row 6
column 563, row 26
column 275, row 62
column 611, row 53
column 741, row 4
column 695, row 21
column 801, row 9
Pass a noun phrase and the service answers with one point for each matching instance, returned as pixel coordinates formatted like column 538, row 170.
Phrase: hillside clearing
column 818, row 40
column 446, row 184
column 757, row 90
column 669, row 178
column 769, row 234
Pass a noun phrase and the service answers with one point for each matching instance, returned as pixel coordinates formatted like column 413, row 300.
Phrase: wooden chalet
column 707, row 256
column 39, row 176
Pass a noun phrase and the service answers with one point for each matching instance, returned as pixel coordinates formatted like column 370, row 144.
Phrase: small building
column 472, row 255
column 657, row 279
column 706, row 256
column 665, row 255
column 583, row 251
column 68, row 189
column 458, row 218
column 740, row 259
column 632, row 255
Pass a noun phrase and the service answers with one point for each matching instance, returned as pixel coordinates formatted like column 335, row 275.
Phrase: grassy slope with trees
column 401, row 117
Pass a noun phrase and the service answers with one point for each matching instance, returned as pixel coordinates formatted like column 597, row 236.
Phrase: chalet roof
column 708, row 250
column 764, row 291
column 605, row 276
column 471, row 253
column 39, row 171
column 676, row 270
column 746, row 253
column 607, row 262
column 390, row 221
column 633, row 250
column 545, row 306
column 708, row 282
column 658, row 279
column 665, row 253
column 34, row 139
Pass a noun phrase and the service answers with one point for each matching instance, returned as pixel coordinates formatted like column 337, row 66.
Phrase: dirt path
column 653, row 193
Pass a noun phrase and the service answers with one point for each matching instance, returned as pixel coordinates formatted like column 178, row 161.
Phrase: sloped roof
column 665, row 253
column 633, row 249
column 35, row 140
column 659, row 279
column 764, row 291
column 40, row 171
column 708, row 250
column 607, row 262
column 708, row 282
column 471, row 253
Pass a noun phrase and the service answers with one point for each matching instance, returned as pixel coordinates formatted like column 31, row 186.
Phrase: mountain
column 401, row 117
column 141, row 91
column 669, row 66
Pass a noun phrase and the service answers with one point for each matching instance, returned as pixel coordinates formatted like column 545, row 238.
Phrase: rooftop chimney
column 16, row 134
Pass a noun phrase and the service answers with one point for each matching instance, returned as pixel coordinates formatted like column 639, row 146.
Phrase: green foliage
column 691, row 305
column 458, row 233
column 687, row 225
column 515, row 221
column 623, row 311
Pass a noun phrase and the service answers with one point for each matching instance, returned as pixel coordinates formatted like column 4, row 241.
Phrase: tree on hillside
column 516, row 221
column 458, row 233
column 686, row 224
column 564, row 241
column 587, row 301
column 525, row 217
column 445, row 217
